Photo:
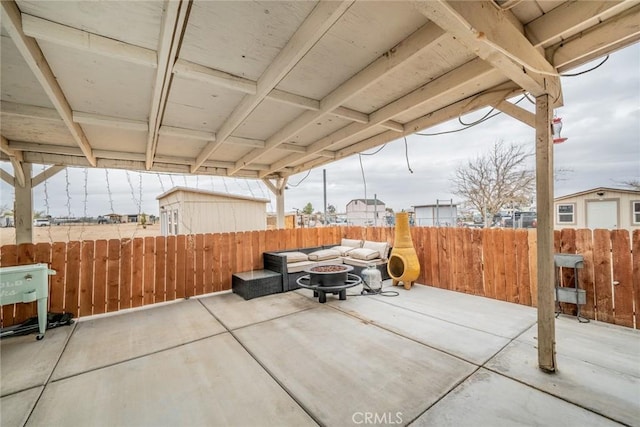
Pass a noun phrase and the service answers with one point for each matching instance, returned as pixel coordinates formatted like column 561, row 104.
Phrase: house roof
column 270, row 89
column 434, row 205
column 368, row 201
column 211, row 193
column 597, row 189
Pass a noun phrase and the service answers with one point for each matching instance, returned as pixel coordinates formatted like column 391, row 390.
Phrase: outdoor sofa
column 293, row 263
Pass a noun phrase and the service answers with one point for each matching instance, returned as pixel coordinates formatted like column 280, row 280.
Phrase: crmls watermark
column 372, row 418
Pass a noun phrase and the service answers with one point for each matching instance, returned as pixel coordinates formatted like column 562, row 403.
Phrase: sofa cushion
column 351, row 243
column 344, row 250
column 381, row 247
column 297, row 267
column 363, row 263
column 324, row 254
column 364, row 254
column 295, row 256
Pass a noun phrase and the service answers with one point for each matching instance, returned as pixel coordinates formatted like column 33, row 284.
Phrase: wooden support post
column 544, row 196
column 24, row 208
column 278, row 189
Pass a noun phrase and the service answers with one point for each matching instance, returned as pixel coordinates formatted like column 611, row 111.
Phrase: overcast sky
column 601, row 117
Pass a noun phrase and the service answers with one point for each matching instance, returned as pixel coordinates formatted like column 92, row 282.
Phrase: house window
column 635, row 211
column 175, row 222
column 566, row 213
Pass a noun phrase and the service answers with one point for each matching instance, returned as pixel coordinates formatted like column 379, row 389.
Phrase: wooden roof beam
column 450, row 112
column 383, row 65
column 570, row 17
column 63, row 35
column 488, row 31
column 31, row 147
column 192, row 71
column 319, row 21
column 120, row 163
column 173, row 23
column 615, row 33
column 463, row 78
column 46, row 174
column 16, row 158
column 519, row 113
column 30, row 51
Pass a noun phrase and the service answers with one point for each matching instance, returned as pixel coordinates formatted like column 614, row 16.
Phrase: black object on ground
column 31, row 325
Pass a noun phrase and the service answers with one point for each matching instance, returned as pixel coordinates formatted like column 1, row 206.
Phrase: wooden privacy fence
column 95, row 277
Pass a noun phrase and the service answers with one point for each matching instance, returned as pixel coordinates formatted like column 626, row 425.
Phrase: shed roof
column 597, row 189
column 368, row 201
column 266, row 89
column 211, row 193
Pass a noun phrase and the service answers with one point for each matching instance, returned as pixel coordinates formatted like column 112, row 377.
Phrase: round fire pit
column 332, row 279
column 329, row 275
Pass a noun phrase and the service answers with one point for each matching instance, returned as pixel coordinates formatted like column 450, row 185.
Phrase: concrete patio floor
column 424, row 357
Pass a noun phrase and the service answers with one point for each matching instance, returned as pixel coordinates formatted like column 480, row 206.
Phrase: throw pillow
column 295, row 256
column 351, row 242
column 324, row 254
column 364, row 254
column 344, row 250
column 381, row 247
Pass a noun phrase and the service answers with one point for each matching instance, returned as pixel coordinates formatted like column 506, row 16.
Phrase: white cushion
column 364, row 253
column 324, row 254
column 297, row 267
column 344, row 250
column 362, row 262
column 381, row 247
column 295, row 256
column 351, row 243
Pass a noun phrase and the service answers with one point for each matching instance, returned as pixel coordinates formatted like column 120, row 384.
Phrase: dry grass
column 66, row 233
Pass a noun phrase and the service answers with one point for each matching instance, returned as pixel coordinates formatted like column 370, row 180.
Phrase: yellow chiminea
column 403, row 263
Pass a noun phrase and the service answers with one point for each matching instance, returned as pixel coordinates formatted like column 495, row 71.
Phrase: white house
column 436, row 215
column 193, row 211
column 365, row 212
column 600, row 207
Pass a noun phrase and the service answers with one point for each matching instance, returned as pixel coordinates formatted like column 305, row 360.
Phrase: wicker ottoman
column 256, row 283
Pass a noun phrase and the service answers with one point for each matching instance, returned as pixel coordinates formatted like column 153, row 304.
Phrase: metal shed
column 602, row 207
column 436, row 215
column 191, row 211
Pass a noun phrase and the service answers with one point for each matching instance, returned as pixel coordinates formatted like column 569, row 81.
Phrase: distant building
column 366, row 212
column 6, row 221
column 193, row 211
column 436, row 215
column 602, row 207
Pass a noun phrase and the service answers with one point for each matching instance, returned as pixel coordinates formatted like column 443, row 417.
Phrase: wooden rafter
column 323, row 16
column 63, row 35
column 46, row 174
column 12, row 109
column 460, row 80
column 191, row 71
column 386, row 63
column 173, row 23
column 36, row 61
column 16, row 158
column 489, row 32
column 519, row 113
column 30, row 148
column 564, row 20
column 605, row 37
column 441, row 115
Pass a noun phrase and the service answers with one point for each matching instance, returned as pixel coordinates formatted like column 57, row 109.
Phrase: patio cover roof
column 269, row 89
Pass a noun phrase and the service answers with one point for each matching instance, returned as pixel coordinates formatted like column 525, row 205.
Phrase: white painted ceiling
column 264, row 89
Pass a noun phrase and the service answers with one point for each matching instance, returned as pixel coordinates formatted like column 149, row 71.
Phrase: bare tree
column 495, row 179
column 633, row 183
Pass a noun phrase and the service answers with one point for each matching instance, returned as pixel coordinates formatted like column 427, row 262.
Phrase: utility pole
column 324, row 183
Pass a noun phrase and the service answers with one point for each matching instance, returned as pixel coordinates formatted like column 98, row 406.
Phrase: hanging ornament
column 556, row 126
